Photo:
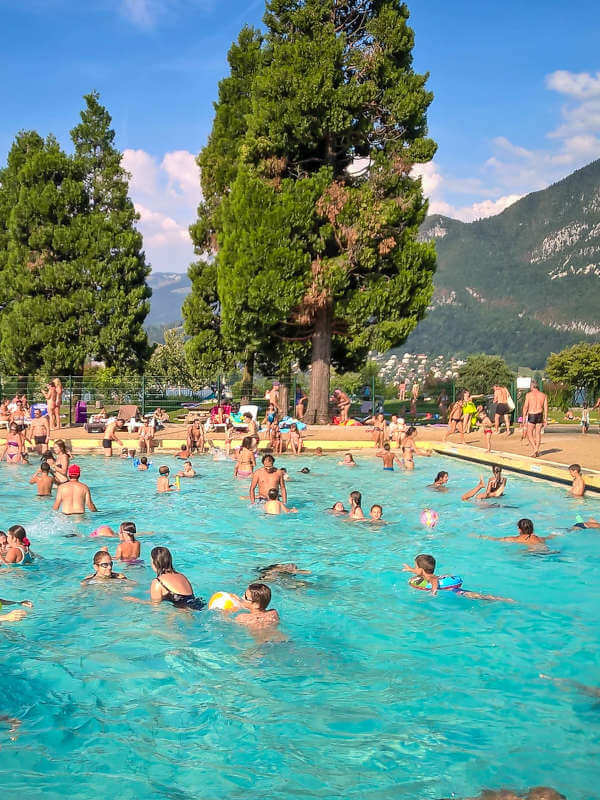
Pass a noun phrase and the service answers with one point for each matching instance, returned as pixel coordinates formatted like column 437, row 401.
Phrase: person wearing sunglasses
column 103, row 569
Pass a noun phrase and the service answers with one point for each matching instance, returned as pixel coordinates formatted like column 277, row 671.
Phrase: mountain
column 521, row 284
column 169, row 290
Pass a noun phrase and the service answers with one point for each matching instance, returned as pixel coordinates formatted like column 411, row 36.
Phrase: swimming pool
column 377, row 690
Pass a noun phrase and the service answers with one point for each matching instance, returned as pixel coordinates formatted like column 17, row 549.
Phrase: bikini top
column 174, row 597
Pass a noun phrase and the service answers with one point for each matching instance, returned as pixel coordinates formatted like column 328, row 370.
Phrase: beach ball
column 429, row 518
column 223, row 601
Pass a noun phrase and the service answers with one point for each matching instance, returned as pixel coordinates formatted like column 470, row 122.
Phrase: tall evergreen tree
column 207, row 349
column 113, row 257
column 46, row 304
column 334, row 85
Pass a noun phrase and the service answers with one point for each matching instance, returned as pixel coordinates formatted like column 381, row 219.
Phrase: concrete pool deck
column 559, row 449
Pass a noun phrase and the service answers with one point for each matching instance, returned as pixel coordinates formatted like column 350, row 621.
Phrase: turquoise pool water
column 376, row 690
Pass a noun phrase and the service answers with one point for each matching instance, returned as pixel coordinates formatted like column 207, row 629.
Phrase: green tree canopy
column 114, row 261
column 481, row 373
column 577, row 366
column 331, row 266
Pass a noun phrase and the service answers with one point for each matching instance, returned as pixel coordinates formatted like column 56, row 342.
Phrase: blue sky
column 517, row 93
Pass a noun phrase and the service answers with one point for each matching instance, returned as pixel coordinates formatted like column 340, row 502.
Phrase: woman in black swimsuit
column 169, row 585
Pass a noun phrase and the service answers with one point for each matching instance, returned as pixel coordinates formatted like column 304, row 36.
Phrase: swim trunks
column 502, row 409
column 535, row 419
column 580, row 525
column 39, row 439
column 107, row 444
column 388, row 469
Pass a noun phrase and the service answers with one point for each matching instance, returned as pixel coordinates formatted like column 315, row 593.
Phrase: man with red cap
column 73, row 496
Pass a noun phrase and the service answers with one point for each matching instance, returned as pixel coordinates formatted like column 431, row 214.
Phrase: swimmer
column 188, row 471
column 105, row 531
column 143, row 465
column 128, row 548
column 17, row 552
column 318, row 451
column 265, row 478
column 124, row 453
column 44, row 480
column 63, row 458
column 348, row 461
column 409, row 448
column 245, row 461
column 495, row 486
column 376, row 513
column 525, row 535
column 103, row 570
column 3, row 543
column 590, row 523
column 273, row 571
column 388, row 458
column 169, row 585
column 17, row 614
column 356, row 512
column 131, row 453
column 255, row 602
column 305, row 471
column 275, row 506
column 162, row 484
column 183, row 452
column 439, row 484
column 73, row 496
column 578, row 487
column 338, row 508
column 425, row 568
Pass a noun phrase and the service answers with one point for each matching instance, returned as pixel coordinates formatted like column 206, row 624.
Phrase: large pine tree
column 113, row 257
column 334, row 90
column 46, row 304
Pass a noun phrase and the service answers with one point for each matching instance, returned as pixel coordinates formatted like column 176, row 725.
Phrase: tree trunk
column 248, row 377
column 318, row 397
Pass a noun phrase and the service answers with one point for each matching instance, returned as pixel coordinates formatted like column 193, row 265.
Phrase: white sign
column 523, row 383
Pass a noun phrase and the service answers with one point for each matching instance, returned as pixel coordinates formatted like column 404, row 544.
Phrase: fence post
column 373, row 395
column 218, row 390
column 143, row 395
column 70, row 400
column 293, row 397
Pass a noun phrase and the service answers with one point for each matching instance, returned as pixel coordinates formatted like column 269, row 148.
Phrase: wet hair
column 440, row 475
column 260, row 594
column 338, row 503
column 350, row 456
column 143, row 460
column 18, row 531
column 62, row 447
column 183, row 446
column 496, row 469
column 163, row 561
column 247, row 442
column 3, row 534
column 99, row 555
column 377, row 506
column 525, row 526
column 576, row 468
column 305, row 470
column 273, row 494
column 267, row 457
column 45, row 466
column 357, row 497
column 164, row 470
column 386, row 446
column 129, row 528
column 411, row 430
column 426, row 563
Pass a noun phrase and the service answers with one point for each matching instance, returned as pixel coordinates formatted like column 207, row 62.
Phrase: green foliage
column 577, row 366
column 72, row 274
column 170, row 365
column 310, row 253
column 534, row 279
column 482, row 372
column 113, row 259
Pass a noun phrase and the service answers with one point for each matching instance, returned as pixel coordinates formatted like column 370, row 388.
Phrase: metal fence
column 150, row 392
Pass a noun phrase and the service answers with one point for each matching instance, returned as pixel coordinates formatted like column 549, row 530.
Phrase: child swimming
column 425, row 578
column 274, row 506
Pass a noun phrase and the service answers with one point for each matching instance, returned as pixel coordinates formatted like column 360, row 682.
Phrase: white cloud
column 580, row 85
column 166, row 194
column 146, row 14
column 512, row 170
